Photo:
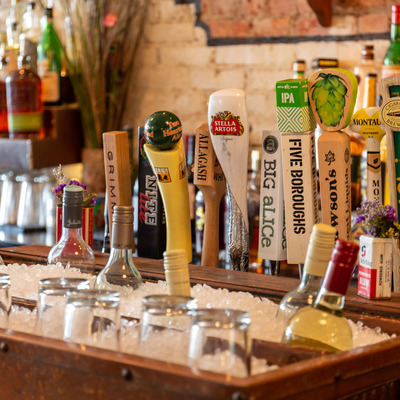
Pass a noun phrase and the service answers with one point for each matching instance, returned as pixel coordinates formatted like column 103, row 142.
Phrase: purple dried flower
column 77, row 183
column 93, row 201
column 360, row 218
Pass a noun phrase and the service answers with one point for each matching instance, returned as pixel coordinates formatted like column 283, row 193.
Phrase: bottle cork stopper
column 322, row 241
column 341, row 266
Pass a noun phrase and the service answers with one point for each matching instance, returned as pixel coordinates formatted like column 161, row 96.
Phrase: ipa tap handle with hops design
column 333, row 93
column 227, row 120
column 166, row 154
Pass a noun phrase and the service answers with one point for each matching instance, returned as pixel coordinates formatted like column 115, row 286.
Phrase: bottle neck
column 71, row 233
column 330, row 301
column 309, row 279
column 395, row 33
column 121, row 237
column 116, row 253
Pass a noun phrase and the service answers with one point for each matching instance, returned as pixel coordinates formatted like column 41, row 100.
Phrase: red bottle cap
column 341, row 266
column 395, row 14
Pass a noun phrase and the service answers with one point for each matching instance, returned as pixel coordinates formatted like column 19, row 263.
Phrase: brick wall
column 178, row 70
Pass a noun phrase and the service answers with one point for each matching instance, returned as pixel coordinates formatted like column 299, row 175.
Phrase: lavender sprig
column 379, row 221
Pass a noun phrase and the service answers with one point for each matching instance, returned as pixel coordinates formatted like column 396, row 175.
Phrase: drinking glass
column 51, row 304
column 5, row 300
column 92, row 318
column 219, row 342
column 165, row 326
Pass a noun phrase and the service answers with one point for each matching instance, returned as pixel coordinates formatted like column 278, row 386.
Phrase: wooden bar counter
column 33, row 367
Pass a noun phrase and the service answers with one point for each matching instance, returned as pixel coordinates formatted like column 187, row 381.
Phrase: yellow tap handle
column 169, row 166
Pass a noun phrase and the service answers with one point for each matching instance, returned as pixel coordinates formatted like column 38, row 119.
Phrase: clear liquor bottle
column 322, row 241
column 120, row 269
column 31, row 32
column 71, row 250
column 323, row 326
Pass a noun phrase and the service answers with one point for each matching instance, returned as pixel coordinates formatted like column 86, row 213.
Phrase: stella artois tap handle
column 367, row 123
column 166, row 154
column 332, row 94
column 227, row 119
column 210, row 180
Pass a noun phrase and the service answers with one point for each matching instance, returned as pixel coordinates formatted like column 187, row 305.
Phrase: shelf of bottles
column 38, row 112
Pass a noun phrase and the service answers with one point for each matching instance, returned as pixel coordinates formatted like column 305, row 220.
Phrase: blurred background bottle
column 31, row 32
column 299, row 69
column 24, row 104
column 3, row 96
column 253, row 207
column 366, row 66
column 391, row 61
column 49, row 62
column 13, row 29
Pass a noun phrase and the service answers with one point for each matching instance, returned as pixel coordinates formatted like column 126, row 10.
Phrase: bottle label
column 50, row 82
column 87, row 224
column 390, row 70
column 72, row 217
column 51, row 87
column 25, row 121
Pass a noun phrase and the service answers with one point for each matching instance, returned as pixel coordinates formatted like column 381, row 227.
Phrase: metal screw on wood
column 239, row 396
column 4, row 347
column 127, row 374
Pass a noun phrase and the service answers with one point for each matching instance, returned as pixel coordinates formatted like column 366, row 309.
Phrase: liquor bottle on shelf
column 120, row 269
column 3, row 96
column 253, row 207
column 391, row 61
column 367, row 66
column 322, row 326
column 31, row 32
column 71, row 250
column 49, row 62
column 13, row 29
column 299, row 69
column 319, row 251
column 357, row 146
column 24, row 104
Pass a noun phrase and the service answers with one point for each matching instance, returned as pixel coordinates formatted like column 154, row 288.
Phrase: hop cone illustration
column 329, row 95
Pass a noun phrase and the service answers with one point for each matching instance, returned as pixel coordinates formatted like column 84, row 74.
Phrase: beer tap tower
column 332, row 94
column 296, row 125
column 166, row 154
column 210, row 180
column 367, row 123
column 227, row 119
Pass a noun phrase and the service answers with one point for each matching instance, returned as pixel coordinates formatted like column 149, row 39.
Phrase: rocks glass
column 5, row 300
column 219, row 342
column 51, row 304
column 92, row 318
column 165, row 327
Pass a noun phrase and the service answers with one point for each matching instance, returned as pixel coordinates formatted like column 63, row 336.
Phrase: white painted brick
column 170, row 33
column 172, row 12
column 162, row 77
column 280, row 57
column 186, row 55
column 240, row 54
column 256, row 104
column 203, row 78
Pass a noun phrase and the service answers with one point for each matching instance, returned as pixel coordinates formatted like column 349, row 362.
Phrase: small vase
column 93, row 170
column 87, row 224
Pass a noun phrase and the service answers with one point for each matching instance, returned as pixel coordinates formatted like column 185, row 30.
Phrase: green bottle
column 391, row 62
column 49, row 62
